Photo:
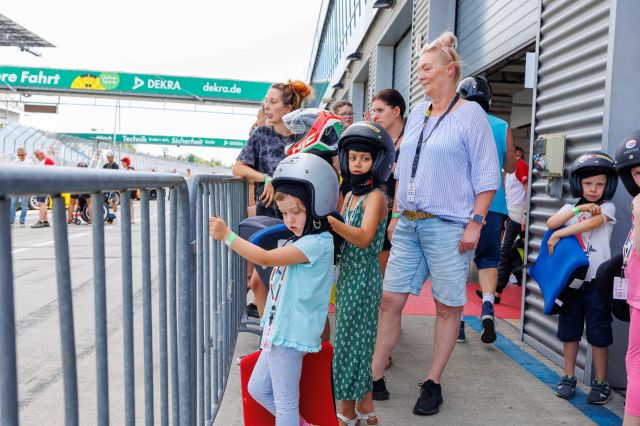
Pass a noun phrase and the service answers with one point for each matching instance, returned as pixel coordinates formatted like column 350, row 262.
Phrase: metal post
column 8, row 366
column 218, row 305
column 100, row 300
column 205, row 306
column 173, row 311
column 200, row 229
column 184, row 304
column 127, row 311
column 65, row 311
column 162, row 308
column 146, row 306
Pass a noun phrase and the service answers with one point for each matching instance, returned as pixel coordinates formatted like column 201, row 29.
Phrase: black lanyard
column 427, row 114
column 274, row 295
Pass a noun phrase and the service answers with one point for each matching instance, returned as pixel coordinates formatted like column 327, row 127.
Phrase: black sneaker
column 380, row 392
column 566, row 387
column 461, row 336
column 46, row 224
column 600, row 393
column 430, row 399
column 488, row 334
column 252, row 310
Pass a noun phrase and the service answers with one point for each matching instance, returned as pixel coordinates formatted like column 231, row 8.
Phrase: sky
column 239, row 40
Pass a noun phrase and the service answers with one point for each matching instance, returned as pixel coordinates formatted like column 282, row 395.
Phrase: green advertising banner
column 127, row 84
column 162, row 140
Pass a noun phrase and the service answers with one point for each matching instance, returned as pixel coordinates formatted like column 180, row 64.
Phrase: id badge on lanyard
column 267, row 338
column 620, row 287
column 411, row 191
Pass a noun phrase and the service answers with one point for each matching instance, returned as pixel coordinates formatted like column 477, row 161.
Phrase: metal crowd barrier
column 218, row 294
column 198, row 322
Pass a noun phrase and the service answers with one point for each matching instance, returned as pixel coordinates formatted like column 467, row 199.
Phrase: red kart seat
column 317, row 405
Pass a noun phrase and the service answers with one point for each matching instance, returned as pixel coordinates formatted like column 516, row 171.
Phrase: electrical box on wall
column 548, row 161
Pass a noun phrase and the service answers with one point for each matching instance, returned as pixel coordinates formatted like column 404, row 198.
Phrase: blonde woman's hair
column 446, row 45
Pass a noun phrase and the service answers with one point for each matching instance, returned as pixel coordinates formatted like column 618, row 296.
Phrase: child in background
column 366, row 153
column 628, row 167
column 306, row 191
column 593, row 181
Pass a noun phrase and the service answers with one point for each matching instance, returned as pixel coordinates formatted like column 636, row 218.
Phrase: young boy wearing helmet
column 593, row 182
column 306, row 191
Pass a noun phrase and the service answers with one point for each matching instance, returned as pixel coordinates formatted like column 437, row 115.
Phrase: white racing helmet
column 316, row 175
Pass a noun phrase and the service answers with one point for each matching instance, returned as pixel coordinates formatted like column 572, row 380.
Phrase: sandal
column 349, row 422
column 369, row 419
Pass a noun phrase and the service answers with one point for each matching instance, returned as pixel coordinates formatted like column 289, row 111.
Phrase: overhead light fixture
column 383, row 4
column 338, row 86
column 355, row 56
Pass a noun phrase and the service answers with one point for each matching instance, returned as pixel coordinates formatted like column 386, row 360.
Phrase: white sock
column 488, row 297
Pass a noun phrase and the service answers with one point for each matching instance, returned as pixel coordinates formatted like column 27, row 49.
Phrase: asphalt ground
column 40, row 380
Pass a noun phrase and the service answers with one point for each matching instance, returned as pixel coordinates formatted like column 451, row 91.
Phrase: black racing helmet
column 476, row 89
column 592, row 164
column 375, row 136
column 628, row 157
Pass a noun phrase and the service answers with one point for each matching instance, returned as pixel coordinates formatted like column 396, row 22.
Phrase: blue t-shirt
column 303, row 302
column 499, row 128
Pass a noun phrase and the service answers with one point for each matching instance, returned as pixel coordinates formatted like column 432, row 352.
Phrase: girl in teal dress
column 366, row 153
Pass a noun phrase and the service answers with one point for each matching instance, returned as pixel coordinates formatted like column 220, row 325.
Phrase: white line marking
column 16, row 251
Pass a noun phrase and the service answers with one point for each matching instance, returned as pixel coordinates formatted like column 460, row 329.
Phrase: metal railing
column 200, row 286
column 219, row 279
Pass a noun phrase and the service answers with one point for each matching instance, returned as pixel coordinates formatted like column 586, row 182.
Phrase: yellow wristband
column 230, row 238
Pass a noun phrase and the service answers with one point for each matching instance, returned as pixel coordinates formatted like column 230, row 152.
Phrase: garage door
column 490, row 30
column 402, row 66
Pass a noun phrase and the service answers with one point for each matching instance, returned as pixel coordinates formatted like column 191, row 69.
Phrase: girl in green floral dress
column 366, row 154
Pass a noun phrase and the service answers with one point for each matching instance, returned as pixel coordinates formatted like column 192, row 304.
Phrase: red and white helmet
column 320, row 131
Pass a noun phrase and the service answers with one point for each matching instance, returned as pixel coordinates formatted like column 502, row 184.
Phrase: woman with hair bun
column 447, row 175
column 265, row 148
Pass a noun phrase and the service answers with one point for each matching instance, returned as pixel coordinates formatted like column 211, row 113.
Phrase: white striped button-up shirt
column 457, row 162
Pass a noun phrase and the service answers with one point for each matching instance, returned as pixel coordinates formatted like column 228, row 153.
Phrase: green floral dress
column 358, row 294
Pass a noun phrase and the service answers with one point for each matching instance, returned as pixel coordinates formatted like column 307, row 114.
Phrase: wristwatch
column 478, row 218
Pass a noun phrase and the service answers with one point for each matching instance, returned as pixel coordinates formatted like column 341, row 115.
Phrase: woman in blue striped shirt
column 447, row 175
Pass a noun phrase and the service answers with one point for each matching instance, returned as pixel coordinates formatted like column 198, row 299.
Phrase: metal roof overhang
column 15, row 35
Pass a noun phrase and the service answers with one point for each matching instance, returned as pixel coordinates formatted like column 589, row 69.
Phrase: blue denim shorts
column 488, row 250
column 428, row 249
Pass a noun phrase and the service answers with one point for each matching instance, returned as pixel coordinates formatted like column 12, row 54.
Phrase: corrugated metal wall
column 570, row 99
column 419, row 29
column 402, row 66
column 490, row 30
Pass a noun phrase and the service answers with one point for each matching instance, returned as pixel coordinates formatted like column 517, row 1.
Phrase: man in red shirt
column 42, row 160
